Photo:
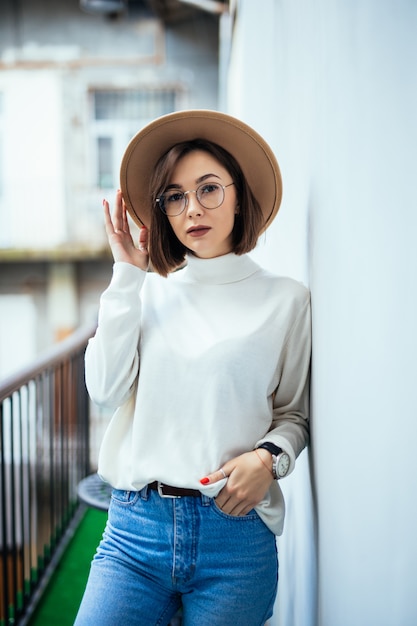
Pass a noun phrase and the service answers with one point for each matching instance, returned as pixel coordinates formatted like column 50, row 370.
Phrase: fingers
column 107, row 219
column 225, row 501
column 124, row 217
column 119, row 218
column 143, row 239
column 247, row 483
column 120, row 239
column 232, row 505
column 115, row 223
column 215, row 477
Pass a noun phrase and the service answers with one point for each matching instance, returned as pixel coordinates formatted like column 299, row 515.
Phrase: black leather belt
column 166, row 491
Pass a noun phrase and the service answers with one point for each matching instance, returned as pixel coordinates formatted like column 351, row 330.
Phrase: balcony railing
column 44, row 453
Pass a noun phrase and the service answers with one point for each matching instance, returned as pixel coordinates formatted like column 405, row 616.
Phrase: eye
column 208, row 188
column 173, row 196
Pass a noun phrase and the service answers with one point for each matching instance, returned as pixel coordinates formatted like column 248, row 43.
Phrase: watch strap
column 271, row 447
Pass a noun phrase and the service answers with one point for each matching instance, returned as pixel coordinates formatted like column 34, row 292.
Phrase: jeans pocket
column 124, row 498
column 250, row 516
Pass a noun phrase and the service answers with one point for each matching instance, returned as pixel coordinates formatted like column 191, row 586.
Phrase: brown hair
column 166, row 252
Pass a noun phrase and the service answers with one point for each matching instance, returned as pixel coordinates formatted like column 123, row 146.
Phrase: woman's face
column 205, row 232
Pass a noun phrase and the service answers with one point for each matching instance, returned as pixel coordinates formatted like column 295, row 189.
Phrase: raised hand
column 120, row 238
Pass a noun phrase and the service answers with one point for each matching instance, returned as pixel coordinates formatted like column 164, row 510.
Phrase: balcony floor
column 59, row 604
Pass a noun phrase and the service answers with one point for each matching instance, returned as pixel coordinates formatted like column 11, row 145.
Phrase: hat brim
column 255, row 157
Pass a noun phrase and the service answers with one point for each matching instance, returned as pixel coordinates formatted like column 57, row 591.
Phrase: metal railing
column 44, row 453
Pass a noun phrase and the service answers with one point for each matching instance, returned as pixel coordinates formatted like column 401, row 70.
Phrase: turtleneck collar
column 229, row 268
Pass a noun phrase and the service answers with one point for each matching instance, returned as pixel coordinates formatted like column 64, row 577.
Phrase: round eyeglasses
column 209, row 195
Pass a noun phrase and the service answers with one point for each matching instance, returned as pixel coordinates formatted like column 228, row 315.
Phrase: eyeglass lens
column 209, row 195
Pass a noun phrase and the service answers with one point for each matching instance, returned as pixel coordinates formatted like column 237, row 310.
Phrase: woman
column 207, row 368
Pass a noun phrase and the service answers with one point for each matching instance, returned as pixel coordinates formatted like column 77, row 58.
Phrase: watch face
column 283, row 464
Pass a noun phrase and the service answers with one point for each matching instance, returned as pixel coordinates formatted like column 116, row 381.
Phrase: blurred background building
column 332, row 86
column 75, row 86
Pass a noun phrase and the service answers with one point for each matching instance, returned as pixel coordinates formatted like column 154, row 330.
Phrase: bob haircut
column 166, row 252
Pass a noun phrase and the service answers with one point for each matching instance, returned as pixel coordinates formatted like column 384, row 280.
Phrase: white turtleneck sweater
column 200, row 367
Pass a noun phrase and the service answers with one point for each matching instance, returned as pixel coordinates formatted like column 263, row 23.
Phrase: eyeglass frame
column 158, row 200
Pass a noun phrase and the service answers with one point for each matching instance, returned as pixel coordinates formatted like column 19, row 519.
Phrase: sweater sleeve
column 290, row 424
column 112, row 358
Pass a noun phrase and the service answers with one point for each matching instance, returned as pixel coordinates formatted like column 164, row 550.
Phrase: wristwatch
column 280, row 459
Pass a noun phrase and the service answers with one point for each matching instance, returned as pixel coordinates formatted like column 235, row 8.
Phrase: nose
column 193, row 205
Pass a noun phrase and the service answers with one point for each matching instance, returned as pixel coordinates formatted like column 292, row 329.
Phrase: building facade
column 74, row 88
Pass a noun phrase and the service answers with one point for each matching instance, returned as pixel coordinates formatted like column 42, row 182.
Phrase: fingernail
column 143, row 227
column 104, row 201
column 205, row 480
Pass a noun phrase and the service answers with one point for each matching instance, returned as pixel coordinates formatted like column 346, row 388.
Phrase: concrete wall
column 332, row 85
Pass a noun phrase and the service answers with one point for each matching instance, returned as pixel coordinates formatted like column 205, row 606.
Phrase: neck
column 227, row 268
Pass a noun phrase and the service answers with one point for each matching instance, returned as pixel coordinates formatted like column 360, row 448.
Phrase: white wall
column 332, row 85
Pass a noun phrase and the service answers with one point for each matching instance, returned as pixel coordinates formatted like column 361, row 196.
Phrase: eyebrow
column 199, row 180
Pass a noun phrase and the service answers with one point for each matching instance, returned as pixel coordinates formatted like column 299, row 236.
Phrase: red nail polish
column 205, row 480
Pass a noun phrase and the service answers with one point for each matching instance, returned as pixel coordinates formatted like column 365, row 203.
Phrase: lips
column 198, row 231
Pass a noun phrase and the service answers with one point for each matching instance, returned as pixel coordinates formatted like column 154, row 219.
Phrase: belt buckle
column 162, row 494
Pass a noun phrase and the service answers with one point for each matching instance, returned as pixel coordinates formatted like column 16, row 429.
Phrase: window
column 117, row 116
column 105, row 162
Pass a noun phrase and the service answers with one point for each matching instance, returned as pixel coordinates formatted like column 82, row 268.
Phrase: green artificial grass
column 59, row 604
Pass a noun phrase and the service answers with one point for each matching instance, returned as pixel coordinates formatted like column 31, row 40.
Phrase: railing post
column 4, row 573
column 44, row 453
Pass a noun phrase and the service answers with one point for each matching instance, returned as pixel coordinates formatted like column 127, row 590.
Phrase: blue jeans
column 158, row 554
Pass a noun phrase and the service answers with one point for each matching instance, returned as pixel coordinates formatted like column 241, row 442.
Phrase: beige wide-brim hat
column 250, row 150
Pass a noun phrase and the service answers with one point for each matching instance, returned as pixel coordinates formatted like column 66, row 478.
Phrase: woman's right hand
column 120, row 238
